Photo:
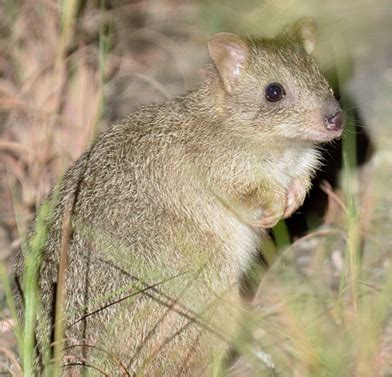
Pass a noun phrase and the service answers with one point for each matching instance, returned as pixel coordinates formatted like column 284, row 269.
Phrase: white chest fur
column 293, row 163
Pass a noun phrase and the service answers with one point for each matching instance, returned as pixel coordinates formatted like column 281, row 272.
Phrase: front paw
column 296, row 194
column 267, row 220
column 272, row 211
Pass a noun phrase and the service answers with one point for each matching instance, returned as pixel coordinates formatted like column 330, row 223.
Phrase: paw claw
column 265, row 222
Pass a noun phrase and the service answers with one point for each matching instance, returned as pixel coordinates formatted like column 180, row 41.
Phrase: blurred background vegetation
column 69, row 68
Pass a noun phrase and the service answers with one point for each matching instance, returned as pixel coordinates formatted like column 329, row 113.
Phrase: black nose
column 336, row 121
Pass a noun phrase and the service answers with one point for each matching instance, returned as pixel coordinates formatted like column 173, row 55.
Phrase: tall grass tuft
column 33, row 258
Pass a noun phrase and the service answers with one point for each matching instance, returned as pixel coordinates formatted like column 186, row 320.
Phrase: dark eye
column 274, row 92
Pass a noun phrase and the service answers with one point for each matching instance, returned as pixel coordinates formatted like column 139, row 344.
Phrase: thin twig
column 161, row 319
column 11, row 357
column 109, row 354
column 123, row 298
column 327, row 188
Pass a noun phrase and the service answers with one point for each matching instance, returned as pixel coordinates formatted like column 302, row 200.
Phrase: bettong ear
column 229, row 53
column 306, row 30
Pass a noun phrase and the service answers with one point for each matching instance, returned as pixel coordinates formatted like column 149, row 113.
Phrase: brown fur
column 172, row 194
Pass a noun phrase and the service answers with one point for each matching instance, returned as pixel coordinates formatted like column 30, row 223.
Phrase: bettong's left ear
column 306, row 30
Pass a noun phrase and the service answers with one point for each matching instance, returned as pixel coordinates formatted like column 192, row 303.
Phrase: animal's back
column 144, row 271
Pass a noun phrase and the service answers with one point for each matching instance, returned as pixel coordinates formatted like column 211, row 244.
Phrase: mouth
column 326, row 135
column 334, row 127
column 334, row 132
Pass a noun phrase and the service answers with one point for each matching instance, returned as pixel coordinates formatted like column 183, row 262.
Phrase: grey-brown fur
column 175, row 191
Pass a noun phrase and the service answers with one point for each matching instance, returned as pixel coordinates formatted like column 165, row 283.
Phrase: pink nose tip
column 336, row 121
